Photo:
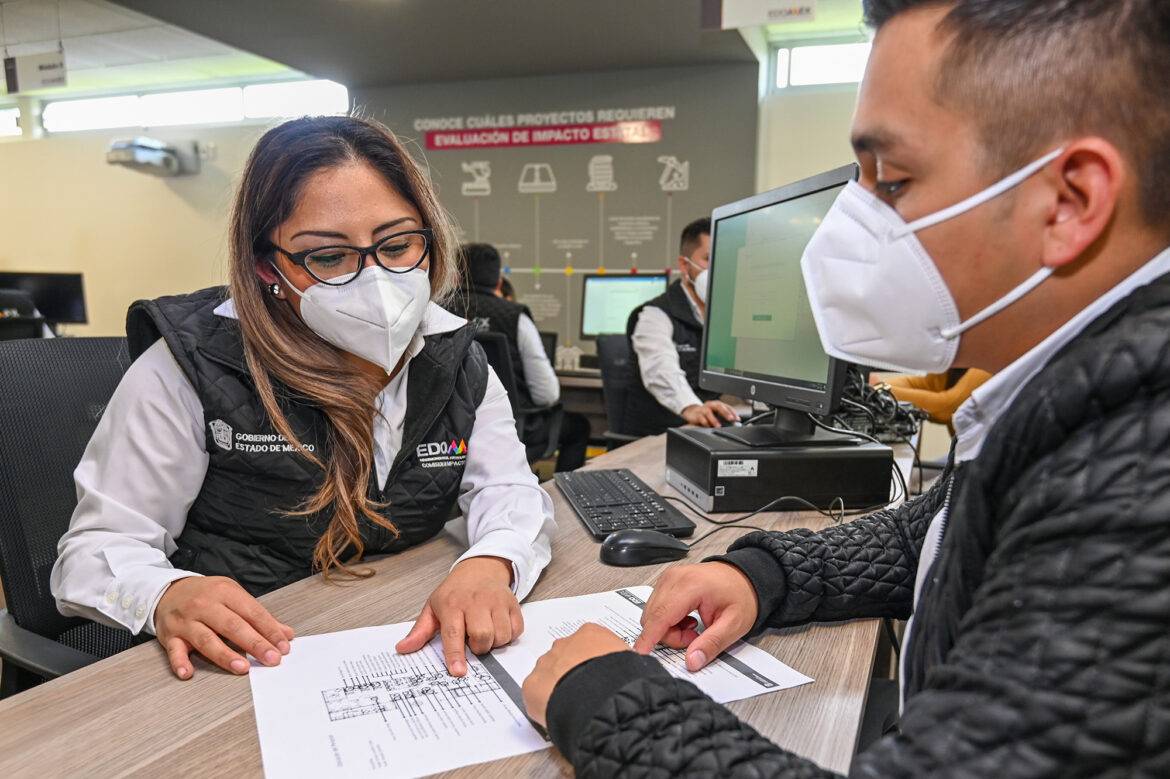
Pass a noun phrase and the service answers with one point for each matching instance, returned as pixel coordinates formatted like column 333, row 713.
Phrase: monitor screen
column 608, row 300
column 58, row 296
column 761, row 340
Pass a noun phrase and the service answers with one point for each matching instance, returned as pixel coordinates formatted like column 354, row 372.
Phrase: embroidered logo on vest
column 221, row 432
column 442, row 454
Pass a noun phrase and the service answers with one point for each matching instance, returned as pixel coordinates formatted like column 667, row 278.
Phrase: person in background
column 938, row 394
column 1012, row 214
column 480, row 299
column 666, row 339
column 507, row 291
column 300, row 418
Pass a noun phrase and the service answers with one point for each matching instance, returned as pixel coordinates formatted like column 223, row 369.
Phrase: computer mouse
column 641, row 547
column 729, row 423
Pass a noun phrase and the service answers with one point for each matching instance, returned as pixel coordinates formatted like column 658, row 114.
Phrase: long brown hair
column 286, row 359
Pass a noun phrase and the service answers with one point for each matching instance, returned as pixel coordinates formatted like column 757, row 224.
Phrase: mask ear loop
column 1030, row 284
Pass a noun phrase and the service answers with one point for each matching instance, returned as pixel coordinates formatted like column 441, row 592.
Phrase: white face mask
column 876, row 295
column 699, row 282
column 373, row 317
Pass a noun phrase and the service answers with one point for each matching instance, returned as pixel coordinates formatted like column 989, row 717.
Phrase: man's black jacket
column 1041, row 641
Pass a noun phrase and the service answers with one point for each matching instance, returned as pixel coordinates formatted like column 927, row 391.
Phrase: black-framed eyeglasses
column 338, row 265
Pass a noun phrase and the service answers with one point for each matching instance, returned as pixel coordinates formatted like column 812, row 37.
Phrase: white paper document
column 347, row 705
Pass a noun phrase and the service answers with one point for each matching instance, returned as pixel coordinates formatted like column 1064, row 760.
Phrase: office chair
column 495, row 345
column 18, row 316
column 617, row 374
column 52, row 394
column 549, row 342
column 15, row 328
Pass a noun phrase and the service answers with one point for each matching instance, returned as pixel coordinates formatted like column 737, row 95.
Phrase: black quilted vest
column 499, row 316
column 644, row 414
column 238, row 525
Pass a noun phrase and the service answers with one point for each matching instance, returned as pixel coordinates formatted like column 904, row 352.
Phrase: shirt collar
column 975, row 418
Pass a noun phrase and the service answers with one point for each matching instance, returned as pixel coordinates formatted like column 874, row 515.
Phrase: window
column 782, row 57
column 295, row 98
column 9, row 121
column 817, row 65
column 91, row 114
column 202, row 106
column 205, row 106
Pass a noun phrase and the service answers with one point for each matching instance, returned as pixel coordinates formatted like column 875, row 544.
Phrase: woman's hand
column 200, row 612
column 473, row 604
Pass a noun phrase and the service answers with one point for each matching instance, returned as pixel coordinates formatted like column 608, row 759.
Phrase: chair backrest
column 14, row 328
column 495, row 346
column 617, row 375
column 52, row 394
column 549, row 342
column 17, row 300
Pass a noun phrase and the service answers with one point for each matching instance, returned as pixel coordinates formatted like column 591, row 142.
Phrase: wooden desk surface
column 129, row 716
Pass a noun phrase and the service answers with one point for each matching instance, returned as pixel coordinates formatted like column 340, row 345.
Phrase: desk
column 581, row 392
column 128, row 715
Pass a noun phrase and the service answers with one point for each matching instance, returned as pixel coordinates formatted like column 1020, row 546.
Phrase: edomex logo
column 442, row 454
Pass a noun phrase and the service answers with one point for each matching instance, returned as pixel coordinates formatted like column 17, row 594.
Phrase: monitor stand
column 791, row 428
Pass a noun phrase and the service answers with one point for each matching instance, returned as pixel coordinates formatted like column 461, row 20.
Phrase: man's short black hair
column 482, row 262
column 1037, row 72
column 691, row 234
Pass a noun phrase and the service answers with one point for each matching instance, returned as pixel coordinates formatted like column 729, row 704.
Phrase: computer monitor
column 608, row 299
column 59, row 297
column 761, row 341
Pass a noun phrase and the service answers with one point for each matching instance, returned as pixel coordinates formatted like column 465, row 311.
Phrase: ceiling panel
column 373, row 42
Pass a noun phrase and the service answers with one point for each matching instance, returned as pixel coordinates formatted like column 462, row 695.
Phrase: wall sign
column 34, row 71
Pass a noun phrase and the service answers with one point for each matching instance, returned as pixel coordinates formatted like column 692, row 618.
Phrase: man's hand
column 475, row 604
column 588, row 642
column 200, row 612
column 709, row 414
column 724, row 599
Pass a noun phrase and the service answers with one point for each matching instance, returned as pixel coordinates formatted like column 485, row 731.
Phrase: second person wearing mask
column 666, row 341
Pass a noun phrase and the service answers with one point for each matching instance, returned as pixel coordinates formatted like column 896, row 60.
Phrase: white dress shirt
column 539, row 375
column 658, row 363
column 990, row 401
column 147, row 460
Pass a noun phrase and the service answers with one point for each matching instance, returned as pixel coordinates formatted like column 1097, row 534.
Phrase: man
column 666, row 338
column 536, row 381
column 1037, row 572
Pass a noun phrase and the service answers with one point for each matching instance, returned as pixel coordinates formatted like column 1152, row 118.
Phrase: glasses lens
column 402, row 252
column 333, row 264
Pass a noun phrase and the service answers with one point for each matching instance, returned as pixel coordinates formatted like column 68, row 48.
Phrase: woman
column 325, row 411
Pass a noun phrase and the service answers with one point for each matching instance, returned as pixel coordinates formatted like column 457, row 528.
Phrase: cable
column 770, row 504
column 703, row 537
column 866, row 436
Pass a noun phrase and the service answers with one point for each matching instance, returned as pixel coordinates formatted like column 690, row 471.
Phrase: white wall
column 803, row 132
column 63, row 209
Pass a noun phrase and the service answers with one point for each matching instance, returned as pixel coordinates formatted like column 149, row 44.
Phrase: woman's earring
column 274, row 288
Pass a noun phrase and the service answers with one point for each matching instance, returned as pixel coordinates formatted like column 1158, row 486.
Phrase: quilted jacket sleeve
column 859, row 569
column 1059, row 668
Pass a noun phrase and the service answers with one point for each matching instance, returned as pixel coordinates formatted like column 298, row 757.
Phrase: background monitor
column 761, row 342
column 59, row 297
column 608, row 300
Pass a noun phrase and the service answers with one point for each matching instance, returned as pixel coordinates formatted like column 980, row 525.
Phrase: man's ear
column 1085, row 184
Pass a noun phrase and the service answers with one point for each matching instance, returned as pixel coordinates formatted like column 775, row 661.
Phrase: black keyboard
column 611, row 500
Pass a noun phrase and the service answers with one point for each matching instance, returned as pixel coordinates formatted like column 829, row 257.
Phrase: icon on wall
column 537, row 178
column 676, row 176
column 601, row 174
column 481, row 174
